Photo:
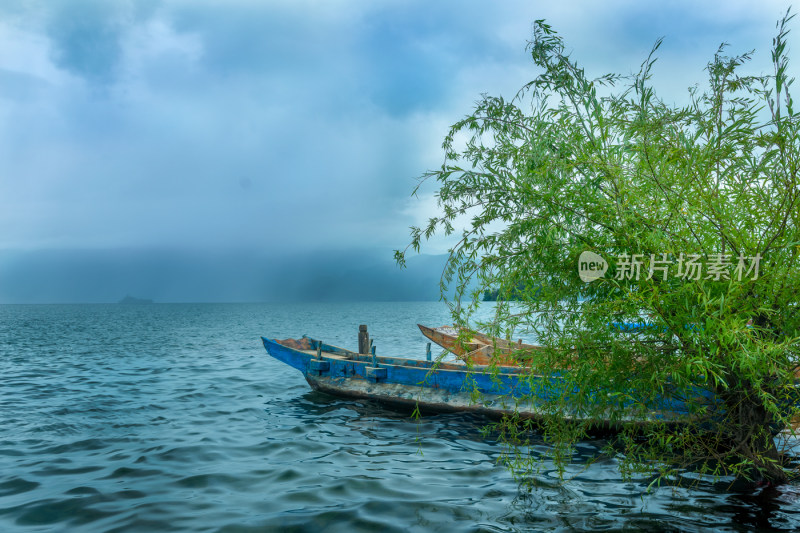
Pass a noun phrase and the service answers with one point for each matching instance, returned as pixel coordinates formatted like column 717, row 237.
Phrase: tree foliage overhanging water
column 614, row 206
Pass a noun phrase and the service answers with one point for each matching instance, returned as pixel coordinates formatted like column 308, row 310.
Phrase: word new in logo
column 591, row 266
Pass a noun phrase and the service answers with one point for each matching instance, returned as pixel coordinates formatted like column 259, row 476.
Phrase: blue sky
column 286, row 127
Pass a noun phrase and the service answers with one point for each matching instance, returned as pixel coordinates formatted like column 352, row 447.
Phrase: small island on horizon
column 133, row 300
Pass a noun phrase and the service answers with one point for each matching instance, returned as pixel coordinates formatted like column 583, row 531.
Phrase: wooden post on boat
column 372, row 373
column 428, row 352
column 363, row 339
column 318, row 365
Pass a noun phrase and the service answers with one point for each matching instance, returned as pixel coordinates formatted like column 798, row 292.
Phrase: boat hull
column 442, row 387
column 478, row 348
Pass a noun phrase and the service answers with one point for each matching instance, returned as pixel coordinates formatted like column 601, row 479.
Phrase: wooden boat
column 437, row 386
column 478, row 348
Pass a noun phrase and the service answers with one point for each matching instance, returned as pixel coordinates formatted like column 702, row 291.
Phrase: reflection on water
column 172, row 417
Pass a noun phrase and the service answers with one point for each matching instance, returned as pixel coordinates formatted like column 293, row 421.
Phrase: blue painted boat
column 442, row 387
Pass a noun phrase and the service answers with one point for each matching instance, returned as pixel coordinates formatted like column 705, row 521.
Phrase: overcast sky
column 283, row 126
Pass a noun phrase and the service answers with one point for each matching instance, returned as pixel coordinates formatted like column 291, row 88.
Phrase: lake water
column 173, row 418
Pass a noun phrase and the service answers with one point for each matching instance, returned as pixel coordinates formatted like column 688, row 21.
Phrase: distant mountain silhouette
column 257, row 275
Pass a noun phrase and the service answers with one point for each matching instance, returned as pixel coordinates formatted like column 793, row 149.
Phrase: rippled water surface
column 172, row 417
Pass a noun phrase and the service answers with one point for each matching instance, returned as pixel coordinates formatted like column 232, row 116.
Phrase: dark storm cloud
column 257, row 39
column 413, row 53
column 278, row 126
column 86, row 38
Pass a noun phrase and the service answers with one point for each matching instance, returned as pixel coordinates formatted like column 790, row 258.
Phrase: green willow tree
column 696, row 211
